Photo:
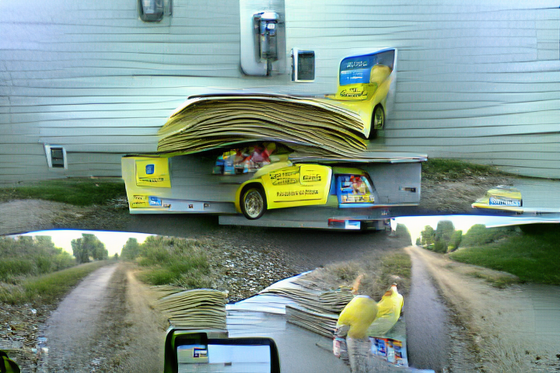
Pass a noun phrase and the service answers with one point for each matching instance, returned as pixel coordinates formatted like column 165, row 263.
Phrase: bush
column 30, row 256
column 403, row 234
column 478, row 235
column 158, row 276
column 173, row 261
column 455, row 241
column 440, row 247
column 62, row 261
column 49, row 287
column 44, row 264
column 531, row 257
column 12, row 267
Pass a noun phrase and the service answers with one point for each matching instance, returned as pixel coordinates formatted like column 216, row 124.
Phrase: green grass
column 12, row 267
column 47, row 288
column 30, row 256
column 438, row 169
column 378, row 274
column 531, row 257
column 79, row 192
column 397, row 264
column 497, row 281
column 190, row 279
column 478, row 235
column 174, row 261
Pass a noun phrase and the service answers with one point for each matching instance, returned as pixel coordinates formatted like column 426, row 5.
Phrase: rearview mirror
column 212, row 350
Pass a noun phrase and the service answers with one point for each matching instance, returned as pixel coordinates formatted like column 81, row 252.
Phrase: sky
column 114, row 241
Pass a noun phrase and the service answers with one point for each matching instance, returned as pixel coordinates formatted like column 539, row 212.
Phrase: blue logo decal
column 155, row 201
column 150, row 169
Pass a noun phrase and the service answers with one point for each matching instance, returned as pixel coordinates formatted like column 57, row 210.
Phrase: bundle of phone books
column 208, row 122
column 196, row 309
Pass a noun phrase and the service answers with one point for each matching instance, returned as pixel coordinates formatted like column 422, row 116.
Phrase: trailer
column 247, row 186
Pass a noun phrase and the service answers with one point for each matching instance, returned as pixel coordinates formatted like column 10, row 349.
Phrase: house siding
column 478, row 81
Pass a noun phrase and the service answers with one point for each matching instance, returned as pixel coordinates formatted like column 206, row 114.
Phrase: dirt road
column 105, row 325
column 427, row 322
column 516, row 329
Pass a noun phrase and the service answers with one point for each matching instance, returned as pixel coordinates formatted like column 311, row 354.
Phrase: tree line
column 170, row 260
column 88, row 248
column 445, row 238
column 30, row 256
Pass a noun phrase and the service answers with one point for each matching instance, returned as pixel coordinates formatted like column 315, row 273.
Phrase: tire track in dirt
column 515, row 329
column 70, row 328
column 106, row 324
column 427, row 321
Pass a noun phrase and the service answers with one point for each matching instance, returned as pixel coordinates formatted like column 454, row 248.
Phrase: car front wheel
column 253, row 202
column 377, row 121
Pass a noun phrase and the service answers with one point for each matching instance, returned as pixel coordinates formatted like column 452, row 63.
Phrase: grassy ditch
column 532, row 257
column 175, row 261
column 78, row 192
column 379, row 272
column 46, row 288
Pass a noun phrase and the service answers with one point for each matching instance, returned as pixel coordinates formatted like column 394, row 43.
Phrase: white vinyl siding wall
column 476, row 80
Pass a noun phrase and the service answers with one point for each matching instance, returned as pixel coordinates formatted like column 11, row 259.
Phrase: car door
column 299, row 185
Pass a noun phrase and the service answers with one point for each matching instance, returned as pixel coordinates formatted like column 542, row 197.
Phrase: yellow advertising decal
column 153, row 172
column 364, row 82
column 285, row 176
column 297, row 186
column 139, row 201
column 361, row 91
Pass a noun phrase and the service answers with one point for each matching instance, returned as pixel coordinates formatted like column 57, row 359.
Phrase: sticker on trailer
column 497, row 201
column 155, row 201
column 139, row 201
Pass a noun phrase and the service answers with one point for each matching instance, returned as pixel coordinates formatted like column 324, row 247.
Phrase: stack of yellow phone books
column 208, row 122
column 196, row 309
column 315, row 311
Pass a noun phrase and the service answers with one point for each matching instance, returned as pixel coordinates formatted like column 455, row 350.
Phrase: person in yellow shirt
column 389, row 310
column 353, row 324
column 7, row 365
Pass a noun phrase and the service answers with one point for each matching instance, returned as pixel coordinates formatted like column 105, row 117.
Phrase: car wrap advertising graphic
column 298, row 184
column 390, row 350
column 363, row 77
column 153, row 172
column 287, row 176
column 142, row 201
column 139, row 201
column 292, row 193
column 355, row 189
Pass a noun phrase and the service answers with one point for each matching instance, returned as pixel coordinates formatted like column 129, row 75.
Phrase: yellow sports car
column 284, row 184
column 502, row 197
column 364, row 82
